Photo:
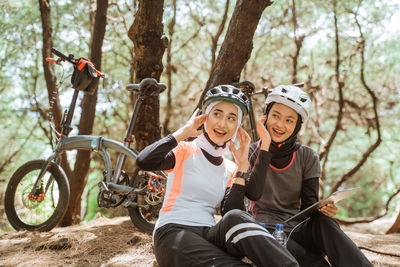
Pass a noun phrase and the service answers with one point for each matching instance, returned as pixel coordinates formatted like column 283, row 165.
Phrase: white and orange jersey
column 195, row 187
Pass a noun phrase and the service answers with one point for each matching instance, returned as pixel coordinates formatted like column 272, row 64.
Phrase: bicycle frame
column 100, row 143
column 141, row 192
column 248, row 89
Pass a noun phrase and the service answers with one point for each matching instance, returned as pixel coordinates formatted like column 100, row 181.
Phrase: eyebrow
column 281, row 114
column 220, row 110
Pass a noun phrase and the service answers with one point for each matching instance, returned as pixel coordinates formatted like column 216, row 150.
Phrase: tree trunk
column 238, row 43
column 48, row 67
column 49, row 73
column 82, row 163
column 168, row 108
column 395, row 227
column 298, row 41
column 149, row 43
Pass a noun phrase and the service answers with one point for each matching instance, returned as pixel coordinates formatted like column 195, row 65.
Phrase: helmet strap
column 216, row 146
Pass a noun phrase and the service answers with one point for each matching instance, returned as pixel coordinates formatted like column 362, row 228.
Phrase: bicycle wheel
column 145, row 215
column 37, row 209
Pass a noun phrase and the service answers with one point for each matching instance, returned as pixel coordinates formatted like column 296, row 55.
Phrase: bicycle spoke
column 35, row 206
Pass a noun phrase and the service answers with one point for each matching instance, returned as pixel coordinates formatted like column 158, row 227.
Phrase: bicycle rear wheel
column 41, row 208
column 145, row 216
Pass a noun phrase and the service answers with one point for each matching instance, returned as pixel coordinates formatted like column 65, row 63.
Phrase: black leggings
column 320, row 236
column 237, row 235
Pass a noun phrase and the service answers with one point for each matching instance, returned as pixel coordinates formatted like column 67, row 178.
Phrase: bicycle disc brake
column 155, row 189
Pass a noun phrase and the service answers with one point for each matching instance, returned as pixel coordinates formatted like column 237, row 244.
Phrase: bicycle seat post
column 248, row 88
column 128, row 137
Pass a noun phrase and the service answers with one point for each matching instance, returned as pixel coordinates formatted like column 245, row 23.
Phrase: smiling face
column 221, row 122
column 281, row 122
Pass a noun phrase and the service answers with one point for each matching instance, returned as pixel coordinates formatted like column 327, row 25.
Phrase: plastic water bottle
column 279, row 234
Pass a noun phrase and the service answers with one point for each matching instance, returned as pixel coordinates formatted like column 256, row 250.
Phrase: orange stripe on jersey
column 182, row 152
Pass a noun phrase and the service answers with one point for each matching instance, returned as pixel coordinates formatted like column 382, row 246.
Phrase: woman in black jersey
column 186, row 233
column 291, row 184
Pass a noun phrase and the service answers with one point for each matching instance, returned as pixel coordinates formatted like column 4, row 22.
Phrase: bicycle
column 37, row 194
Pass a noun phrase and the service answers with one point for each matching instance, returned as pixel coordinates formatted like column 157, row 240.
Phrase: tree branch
column 215, row 38
column 372, row 147
column 325, row 150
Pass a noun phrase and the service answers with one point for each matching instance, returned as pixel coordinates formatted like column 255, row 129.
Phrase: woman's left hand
column 263, row 133
column 242, row 153
column 329, row 210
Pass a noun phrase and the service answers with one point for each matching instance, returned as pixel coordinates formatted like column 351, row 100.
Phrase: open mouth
column 219, row 133
column 278, row 133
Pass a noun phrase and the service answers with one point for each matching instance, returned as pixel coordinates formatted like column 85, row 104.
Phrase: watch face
column 244, row 175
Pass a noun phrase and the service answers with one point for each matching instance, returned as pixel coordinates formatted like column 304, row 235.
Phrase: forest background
column 347, row 52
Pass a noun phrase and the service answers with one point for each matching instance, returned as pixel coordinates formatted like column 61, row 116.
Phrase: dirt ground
column 115, row 242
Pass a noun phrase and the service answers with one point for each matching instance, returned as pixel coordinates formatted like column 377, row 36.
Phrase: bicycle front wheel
column 145, row 215
column 40, row 208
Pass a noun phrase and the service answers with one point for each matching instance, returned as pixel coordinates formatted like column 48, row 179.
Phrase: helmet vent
column 303, row 99
column 224, row 89
column 284, row 90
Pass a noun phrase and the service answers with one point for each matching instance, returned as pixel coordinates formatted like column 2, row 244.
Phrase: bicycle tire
column 144, row 219
column 53, row 204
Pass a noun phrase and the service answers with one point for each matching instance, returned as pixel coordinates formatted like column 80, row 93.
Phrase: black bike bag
column 85, row 77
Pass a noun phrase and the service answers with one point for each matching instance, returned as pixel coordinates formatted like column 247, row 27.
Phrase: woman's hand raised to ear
column 263, row 133
column 190, row 129
column 242, row 153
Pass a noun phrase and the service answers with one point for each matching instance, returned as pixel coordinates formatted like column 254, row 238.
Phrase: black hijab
column 282, row 153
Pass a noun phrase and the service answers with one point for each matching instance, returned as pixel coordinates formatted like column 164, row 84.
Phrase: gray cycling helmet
column 227, row 93
column 293, row 97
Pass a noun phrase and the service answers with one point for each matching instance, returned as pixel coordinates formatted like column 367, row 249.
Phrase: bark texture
column 82, row 163
column 238, row 43
column 149, row 43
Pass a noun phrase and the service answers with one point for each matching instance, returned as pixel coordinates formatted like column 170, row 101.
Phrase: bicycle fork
column 37, row 193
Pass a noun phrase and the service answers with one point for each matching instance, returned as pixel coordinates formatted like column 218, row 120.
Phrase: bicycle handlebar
column 146, row 86
column 70, row 58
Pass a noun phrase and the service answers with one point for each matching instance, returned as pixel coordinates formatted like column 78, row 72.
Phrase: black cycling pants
column 237, row 235
column 320, row 236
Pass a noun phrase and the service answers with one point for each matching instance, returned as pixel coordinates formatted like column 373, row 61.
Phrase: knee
column 238, row 216
column 324, row 221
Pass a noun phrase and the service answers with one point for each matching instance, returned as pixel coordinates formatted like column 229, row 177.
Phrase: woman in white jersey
column 291, row 183
column 186, row 233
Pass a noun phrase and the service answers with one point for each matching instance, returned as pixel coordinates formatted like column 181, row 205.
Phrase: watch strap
column 244, row 175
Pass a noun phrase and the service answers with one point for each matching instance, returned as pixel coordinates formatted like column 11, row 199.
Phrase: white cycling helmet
column 291, row 96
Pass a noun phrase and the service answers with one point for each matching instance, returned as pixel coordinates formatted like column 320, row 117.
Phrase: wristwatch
column 244, row 175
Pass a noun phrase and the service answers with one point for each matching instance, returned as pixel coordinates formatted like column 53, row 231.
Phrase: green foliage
column 24, row 94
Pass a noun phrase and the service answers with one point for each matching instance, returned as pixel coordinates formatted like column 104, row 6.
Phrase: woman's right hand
column 263, row 133
column 190, row 129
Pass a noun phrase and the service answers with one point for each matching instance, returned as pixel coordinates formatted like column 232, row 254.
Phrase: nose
column 280, row 123
column 221, row 122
